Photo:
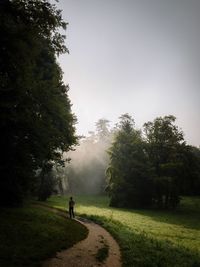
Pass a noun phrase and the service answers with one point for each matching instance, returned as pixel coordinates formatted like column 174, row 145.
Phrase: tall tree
column 129, row 175
column 36, row 121
column 165, row 145
column 102, row 128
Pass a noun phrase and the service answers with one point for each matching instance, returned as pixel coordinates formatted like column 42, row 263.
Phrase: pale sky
column 133, row 56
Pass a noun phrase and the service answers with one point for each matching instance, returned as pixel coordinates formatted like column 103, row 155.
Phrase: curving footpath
column 83, row 254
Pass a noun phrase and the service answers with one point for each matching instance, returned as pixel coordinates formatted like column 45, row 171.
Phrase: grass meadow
column 149, row 238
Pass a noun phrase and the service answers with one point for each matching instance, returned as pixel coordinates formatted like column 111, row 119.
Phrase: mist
column 85, row 174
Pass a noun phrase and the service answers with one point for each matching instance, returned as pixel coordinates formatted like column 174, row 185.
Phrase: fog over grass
column 86, row 171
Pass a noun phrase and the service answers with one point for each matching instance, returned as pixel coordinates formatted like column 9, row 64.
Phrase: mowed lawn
column 147, row 237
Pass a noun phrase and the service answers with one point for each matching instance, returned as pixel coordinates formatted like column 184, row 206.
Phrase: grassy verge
column 146, row 237
column 31, row 234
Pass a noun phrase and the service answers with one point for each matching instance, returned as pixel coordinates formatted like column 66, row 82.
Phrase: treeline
column 36, row 122
column 138, row 168
column 151, row 167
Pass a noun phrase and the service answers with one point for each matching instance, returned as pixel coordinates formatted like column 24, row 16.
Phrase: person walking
column 71, row 208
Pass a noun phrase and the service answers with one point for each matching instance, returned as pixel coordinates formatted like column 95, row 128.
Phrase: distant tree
column 129, row 174
column 36, row 121
column 190, row 177
column 86, row 171
column 102, row 129
column 164, row 146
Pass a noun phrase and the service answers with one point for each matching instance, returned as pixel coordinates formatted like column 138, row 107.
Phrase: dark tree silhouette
column 36, row 121
column 165, row 145
column 129, row 176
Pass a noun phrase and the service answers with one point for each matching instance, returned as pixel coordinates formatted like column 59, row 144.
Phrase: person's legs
column 73, row 212
column 70, row 213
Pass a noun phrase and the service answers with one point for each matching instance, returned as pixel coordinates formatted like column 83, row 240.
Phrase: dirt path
column 83, row 254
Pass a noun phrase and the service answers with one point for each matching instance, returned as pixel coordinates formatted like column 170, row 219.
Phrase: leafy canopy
column 36, row 121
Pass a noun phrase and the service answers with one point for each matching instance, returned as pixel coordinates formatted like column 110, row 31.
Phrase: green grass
column 31, row 234
column 102, row 253
column 147, row 237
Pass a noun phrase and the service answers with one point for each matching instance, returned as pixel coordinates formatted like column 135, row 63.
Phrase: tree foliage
column 153, row 169
column 128, row 173
column 165, row 144
column 36, row 121
column 190, row 180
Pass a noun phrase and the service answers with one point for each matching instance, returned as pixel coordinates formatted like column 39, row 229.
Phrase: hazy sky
column 135, row 56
